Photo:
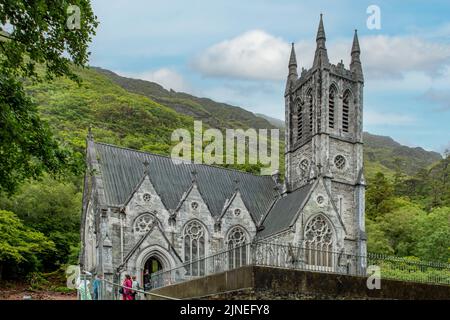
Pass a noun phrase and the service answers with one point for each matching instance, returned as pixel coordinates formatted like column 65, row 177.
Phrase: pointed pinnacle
column 292, row 58
column 355, row 47
column 321, row 30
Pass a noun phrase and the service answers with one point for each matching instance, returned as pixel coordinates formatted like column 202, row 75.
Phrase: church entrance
column 152, row 265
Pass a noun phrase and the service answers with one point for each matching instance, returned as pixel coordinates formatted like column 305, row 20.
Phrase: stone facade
column 136, row 211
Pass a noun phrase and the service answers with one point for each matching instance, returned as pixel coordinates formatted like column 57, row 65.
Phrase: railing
column 411, row 269
column 108, row 290
column 305, row 258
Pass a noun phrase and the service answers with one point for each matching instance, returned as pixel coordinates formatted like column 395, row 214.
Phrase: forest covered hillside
column 214, row 114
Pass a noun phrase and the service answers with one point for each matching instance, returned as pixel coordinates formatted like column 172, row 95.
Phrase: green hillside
column 275, row 122
column 215, row 114
column 116, row 115
column 391, row 154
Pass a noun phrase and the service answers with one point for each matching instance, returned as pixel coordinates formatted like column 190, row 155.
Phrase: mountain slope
column 215, row 114
column 116, row 115
column 275, row 122
column 384, row 151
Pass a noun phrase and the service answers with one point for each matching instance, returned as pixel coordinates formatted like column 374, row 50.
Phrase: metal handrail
column 264, row 253
column 138, row 290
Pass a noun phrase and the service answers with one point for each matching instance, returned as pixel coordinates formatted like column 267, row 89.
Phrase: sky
column 237, row 52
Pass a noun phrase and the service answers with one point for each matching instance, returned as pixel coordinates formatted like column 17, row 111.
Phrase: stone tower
column 323, row 109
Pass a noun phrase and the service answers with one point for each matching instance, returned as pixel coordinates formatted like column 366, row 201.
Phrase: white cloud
column 252, row 55
column 387, row 119
column 385, row 56
column 165, row 77
column 258, row 55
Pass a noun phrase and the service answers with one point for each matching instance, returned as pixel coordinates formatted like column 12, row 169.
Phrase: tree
column 39, row 37
column 378, row 196
column 377, row 241
column 42, row 34
column 400, row 226
column 53, row 208
column 434, row 231
column 27, row 147
column 399, row 177
column 18, row 243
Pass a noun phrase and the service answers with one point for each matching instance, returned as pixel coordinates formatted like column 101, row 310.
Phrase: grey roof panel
column 122, row 169
column 283, row 211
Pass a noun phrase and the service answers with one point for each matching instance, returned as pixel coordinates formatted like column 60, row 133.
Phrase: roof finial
column 236, row 182
column 146, row 166
column 194, row 175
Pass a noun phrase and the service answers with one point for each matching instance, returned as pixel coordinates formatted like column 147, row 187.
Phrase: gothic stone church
column 141, row 211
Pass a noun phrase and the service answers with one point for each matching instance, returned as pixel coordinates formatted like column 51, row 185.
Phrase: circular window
column 339, row 162
column 237, row 212
column 143, row 223
column 194, row 205
column 194, row 230
column 147, row 197
column 236, row 237
column 320, row 200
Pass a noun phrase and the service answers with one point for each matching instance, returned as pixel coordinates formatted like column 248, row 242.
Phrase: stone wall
column 252, row 282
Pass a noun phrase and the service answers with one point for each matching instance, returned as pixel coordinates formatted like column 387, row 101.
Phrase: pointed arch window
column 346, row 111
column 331, row 107
column 319, row 244
column 237, row 248
column 194, row 248
column 299, row 121
column 309, row 99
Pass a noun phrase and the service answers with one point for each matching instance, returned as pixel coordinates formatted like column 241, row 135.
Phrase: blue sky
column 237, row 52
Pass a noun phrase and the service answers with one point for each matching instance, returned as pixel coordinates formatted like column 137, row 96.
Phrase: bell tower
column 323, row 114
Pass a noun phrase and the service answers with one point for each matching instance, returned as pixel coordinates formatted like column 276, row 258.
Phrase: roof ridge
column 190, row 162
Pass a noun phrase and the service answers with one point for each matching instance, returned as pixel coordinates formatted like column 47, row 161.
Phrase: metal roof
column 122, row 169
column 283, row 211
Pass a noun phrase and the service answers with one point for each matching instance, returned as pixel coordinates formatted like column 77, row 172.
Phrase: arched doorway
column 153, row 258
column 152, row 265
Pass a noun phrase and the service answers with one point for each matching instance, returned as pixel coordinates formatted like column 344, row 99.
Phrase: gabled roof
column 283, row 212
column 122, row 169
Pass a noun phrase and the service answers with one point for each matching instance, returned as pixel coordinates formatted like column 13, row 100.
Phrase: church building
column 143, row 212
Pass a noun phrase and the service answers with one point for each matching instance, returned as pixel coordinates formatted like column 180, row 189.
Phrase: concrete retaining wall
column 252, row 282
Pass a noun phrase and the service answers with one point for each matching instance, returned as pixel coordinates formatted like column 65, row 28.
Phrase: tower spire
column 321, row 31
column 355, row 47
column 293, row 75
column 292, row 60
column 321, row 55
column 355, row 64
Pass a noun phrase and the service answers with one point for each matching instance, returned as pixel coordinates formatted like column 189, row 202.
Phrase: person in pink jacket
column 127, row 285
